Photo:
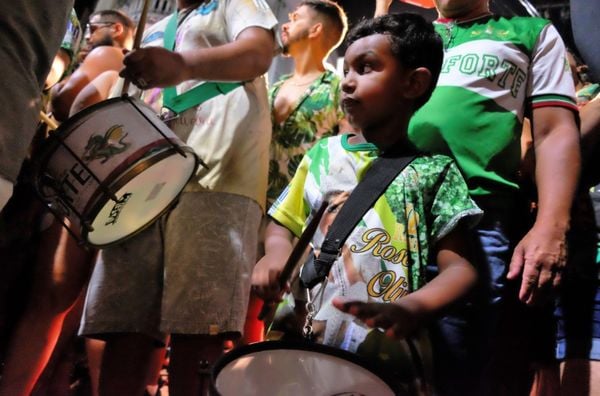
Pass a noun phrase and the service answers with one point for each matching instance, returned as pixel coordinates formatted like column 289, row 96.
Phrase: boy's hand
column 265, row 279
column 400, row 319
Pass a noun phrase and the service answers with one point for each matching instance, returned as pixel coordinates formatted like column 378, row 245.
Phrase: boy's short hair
column 334, row 14
column 413, row 41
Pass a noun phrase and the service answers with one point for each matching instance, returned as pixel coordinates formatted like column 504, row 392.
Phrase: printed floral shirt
column 384, row 257
column 316, row 115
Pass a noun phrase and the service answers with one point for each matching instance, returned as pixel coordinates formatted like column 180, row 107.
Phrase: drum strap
column 200, row 93
column 376, row 180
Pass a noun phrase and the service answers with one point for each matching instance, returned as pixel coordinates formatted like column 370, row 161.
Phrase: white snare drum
column 296, row 369
column 112, row 169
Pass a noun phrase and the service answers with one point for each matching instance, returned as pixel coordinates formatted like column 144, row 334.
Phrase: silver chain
column 307, row 330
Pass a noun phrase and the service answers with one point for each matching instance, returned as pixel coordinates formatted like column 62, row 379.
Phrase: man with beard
column 305, row 105
column 109, row 32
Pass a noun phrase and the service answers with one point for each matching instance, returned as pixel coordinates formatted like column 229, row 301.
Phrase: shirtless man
column 110, row 32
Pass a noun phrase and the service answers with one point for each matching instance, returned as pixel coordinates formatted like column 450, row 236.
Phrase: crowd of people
column 474, row 272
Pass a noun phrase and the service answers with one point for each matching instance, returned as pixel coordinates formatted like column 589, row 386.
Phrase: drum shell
column 97, row 152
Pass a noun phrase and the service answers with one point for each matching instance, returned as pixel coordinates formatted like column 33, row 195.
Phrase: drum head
column 298, row 369
column 145, row 192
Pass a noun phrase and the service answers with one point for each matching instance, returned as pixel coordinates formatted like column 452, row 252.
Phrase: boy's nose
column 348, row 84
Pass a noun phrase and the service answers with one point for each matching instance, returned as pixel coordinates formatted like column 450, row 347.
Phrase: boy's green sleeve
column 452, row 203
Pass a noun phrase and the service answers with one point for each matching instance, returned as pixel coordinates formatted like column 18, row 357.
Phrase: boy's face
column 372, row 85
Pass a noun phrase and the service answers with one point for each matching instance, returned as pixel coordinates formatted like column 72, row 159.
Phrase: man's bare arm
column 540, row 256
column 248, row 57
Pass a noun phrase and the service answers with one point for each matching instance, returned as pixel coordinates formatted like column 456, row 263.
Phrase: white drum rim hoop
column 300, row 346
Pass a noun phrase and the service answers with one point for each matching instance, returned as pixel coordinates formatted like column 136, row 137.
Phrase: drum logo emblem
column 107, row 146
column 115, row 212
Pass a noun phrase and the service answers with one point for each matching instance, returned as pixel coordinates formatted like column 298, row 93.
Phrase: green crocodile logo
column 107, row 146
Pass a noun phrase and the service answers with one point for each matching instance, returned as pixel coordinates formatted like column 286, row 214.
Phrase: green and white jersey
column 495, row 71
column 384, row 257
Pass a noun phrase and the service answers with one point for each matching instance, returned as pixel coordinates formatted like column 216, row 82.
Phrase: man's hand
column 540, row 257
column 154, row 67
column 400, row 319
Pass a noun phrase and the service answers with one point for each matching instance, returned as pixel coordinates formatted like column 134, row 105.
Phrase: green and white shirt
column 495, row 70
column 385, row 256
column 316, row 115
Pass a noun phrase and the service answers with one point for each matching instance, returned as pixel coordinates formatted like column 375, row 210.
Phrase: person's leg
column 192, row 358
column 208, row 261
column 155, row 369
column 62, row 269
column 123, row 306
column 580, row 377
column 94, row 350
column 126, row 361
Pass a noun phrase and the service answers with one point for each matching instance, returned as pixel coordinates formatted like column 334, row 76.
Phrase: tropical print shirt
column 316, row 115
column 384, row 257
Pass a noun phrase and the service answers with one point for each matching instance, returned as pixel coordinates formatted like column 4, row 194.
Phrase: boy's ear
column 417, row 83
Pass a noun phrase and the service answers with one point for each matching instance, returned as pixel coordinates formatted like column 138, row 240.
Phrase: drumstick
column 48, row 121
column 139, row 32
column 295, row 255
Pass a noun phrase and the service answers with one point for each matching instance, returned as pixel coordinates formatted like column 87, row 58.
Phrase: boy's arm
column 408, row 313
column 265, row 276
column 540, row 255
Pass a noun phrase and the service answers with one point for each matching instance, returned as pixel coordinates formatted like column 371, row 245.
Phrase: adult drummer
column 189, row 274
column 107, row 34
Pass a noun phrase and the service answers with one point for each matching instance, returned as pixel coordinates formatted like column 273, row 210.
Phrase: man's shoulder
column 523, row 26
column 104, row 51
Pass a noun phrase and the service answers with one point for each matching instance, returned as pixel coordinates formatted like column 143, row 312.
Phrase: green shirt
column 495, row 71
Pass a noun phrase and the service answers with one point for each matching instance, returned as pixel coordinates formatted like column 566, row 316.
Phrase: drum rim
column 308, row 346
column 95, row 205
column 94, row 108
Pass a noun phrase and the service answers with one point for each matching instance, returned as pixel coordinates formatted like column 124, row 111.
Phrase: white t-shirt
column 230, row 133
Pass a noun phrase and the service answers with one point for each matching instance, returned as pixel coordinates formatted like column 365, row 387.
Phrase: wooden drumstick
column 139, row 33
column 48, row 121
column 295, row 256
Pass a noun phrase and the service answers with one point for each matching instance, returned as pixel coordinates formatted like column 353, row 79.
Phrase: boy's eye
column 365, row 68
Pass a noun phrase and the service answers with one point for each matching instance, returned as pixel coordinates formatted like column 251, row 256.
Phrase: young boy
column 391, row 66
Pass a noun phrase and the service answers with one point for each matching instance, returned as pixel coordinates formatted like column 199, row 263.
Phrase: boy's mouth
column 349, row 103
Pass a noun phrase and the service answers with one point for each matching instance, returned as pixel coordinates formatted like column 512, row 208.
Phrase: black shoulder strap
column 376, row 180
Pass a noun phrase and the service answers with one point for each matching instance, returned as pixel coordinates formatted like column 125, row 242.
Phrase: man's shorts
column 578, row 316
column 189, row 273
column 6, row 190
